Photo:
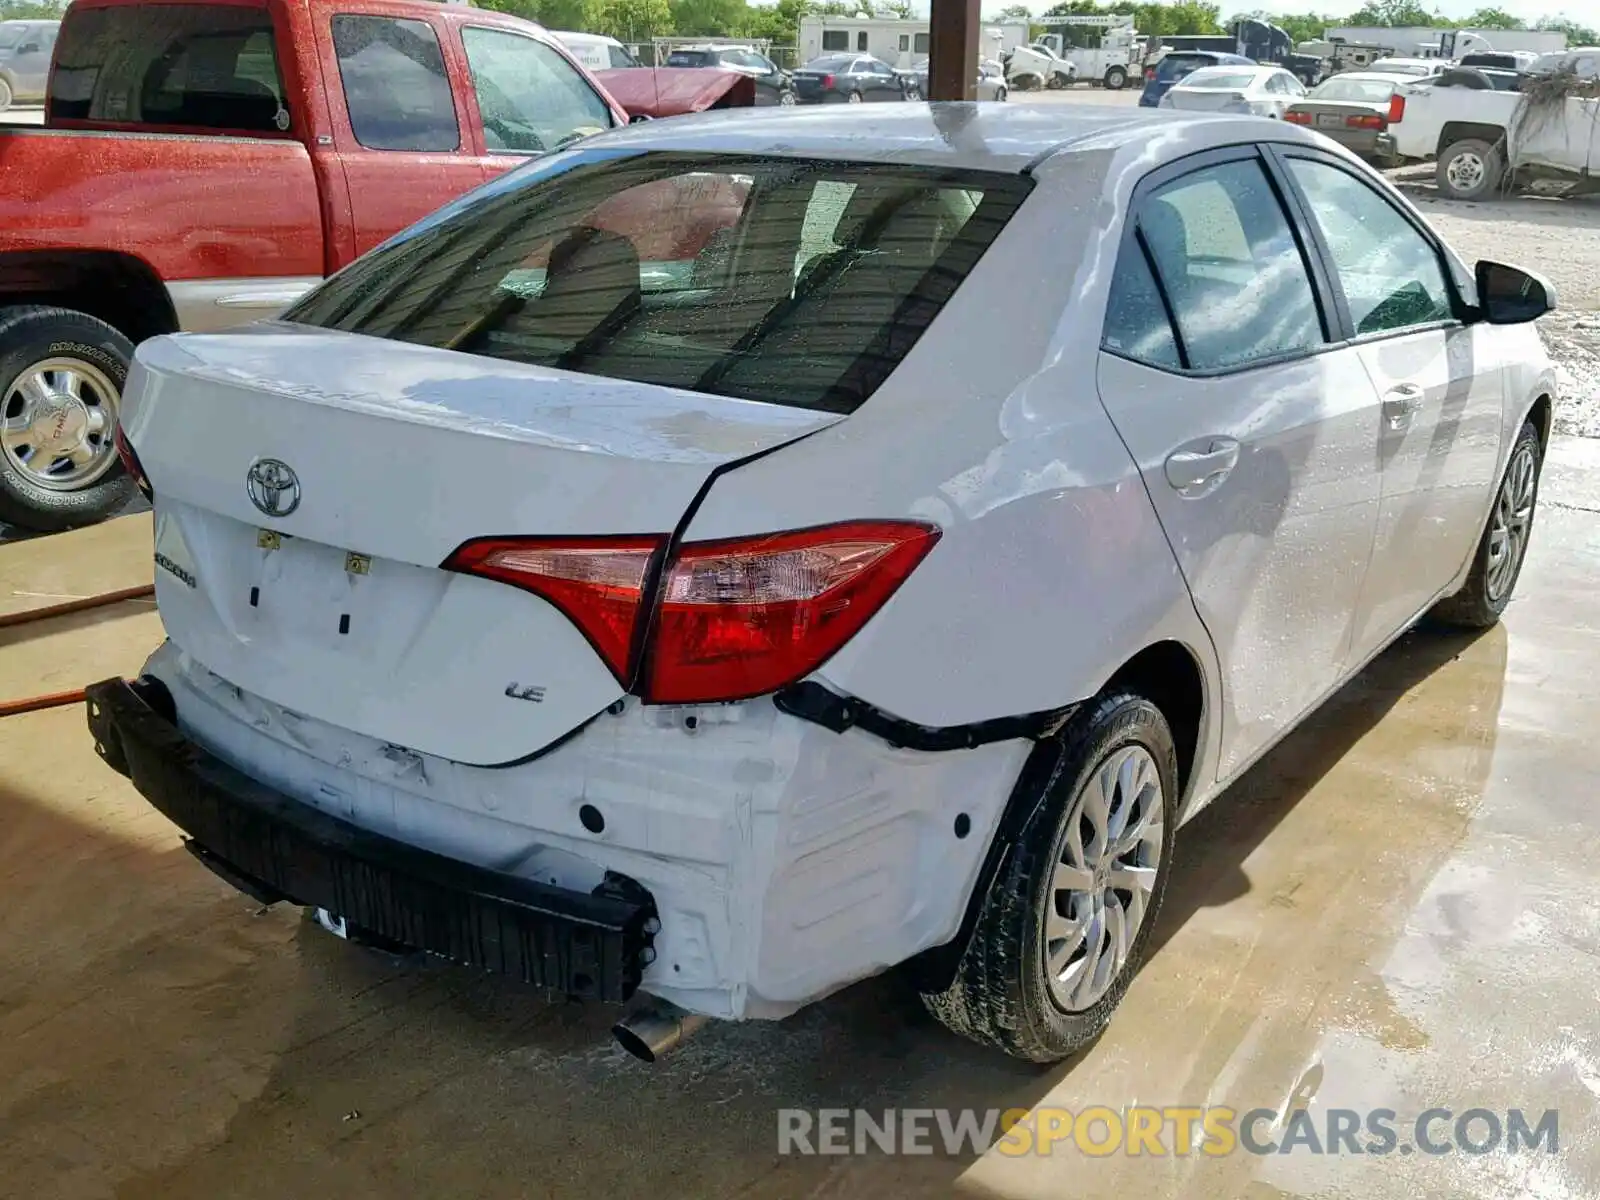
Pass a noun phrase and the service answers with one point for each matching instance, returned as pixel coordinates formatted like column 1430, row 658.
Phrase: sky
column 1586, row 11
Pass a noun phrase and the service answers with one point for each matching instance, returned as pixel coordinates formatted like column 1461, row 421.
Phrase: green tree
column 711, row 18
column 1493, row 18
column 1577, row 35
column 633, row 20
column 1393, row 12
column 778, row 23
column 1015, row 12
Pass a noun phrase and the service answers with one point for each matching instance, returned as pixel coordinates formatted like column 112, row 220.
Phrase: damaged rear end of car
column 447, row 657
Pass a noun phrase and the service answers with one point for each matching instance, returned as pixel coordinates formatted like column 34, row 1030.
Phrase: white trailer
column 900, row 43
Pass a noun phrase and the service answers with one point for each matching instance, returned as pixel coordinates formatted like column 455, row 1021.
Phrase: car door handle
column 1400, row 403
column 1200, row 468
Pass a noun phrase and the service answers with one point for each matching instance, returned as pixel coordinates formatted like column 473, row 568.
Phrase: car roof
column 955, row 134
column 1227, row 69
column 1218, row 57
column 1369, row 77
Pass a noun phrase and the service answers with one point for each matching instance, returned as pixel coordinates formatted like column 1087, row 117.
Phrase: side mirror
column 1510, row 296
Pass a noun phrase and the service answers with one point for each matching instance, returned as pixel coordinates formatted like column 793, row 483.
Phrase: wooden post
column 953, row 27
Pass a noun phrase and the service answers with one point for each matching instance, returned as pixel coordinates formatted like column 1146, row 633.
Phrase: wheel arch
column 1169, row 675
column 1457, row 131
column 120, row 289
column 1542, row 414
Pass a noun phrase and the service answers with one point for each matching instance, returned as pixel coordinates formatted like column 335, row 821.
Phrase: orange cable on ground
column 14, row 708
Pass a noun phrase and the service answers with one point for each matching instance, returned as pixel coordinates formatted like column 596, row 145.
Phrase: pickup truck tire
column 1117, row 78
column 1470, row 169
column 1005, row 992
column 83, row 362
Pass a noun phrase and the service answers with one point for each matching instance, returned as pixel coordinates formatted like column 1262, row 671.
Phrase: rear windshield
column 691, row 58
column 840, row 63
column 1176, row 66
column 195, row 66
column 791, row 281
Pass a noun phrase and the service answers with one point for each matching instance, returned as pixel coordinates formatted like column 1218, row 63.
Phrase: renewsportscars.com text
column 1176, row 1131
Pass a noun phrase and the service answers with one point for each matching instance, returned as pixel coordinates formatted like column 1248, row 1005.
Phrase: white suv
column 725, row 561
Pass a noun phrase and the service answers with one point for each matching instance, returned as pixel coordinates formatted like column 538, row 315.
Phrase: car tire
column 1001, row 95
column 1471, row 169
column 1497, row 562
column 30, row 336
column 786, row 98
column 1116, row 78
column 1003, row 993
column 6, row 95
column 853, row 98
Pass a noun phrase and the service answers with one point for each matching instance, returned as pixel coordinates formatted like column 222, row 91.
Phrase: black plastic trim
column 812, row 701
column 271, row 846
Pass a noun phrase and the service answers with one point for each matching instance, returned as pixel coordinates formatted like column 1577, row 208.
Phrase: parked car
column 990, row 84
column 1259, row 91
column 773, row 86
column 848, row 79
column 1512, row 60
column 316, row 130
column 1160, row 77
column 629, row 580
column 1352, row 109
column 1479, row 144
column 596, row 51
column 25, row 48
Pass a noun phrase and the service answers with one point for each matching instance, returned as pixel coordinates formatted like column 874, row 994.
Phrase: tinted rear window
column 1176, row 66
column 795, row 282
column 691, row 58
column 196, row 66
column 841, row 63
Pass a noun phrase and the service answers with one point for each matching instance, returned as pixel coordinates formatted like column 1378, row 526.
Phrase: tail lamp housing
column 131, row 463
column 1397, row 108
column 712, row 621
column 1365, row 121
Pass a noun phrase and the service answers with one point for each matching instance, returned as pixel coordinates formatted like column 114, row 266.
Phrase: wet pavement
column 1394, row 910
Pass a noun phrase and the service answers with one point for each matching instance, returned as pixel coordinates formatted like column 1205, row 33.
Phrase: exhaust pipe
column 656, row 1029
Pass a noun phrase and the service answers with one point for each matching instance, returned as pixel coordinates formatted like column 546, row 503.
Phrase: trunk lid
column 329, row 601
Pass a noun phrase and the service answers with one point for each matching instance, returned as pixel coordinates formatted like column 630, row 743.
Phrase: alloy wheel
column 1511, row 522
column 1103, row 879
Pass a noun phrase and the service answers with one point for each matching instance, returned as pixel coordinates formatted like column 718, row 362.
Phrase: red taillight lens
column 1297, row 118
column 1149, row 74
column 1366, row 121
column 827, row 81
column 1397, row 108
column 747, row 616
column 131, row 463
column 598, row 583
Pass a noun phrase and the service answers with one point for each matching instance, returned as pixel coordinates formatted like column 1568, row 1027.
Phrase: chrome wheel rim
column 58, row 419
column 786, row 98
column 855, row 98
column 1511, row 523
column 1466, row 172
column 1103, row 878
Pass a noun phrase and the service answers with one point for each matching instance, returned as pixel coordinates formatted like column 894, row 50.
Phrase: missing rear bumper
column 272, row 847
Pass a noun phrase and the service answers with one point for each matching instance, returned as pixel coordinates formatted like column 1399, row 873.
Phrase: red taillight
column 598, row 583
column 744, row 617
column 827, row 81
column 1366, row 121
column 1149, row 74
column 732, row 619
column 131, row 463
column 1397, row 108
column 1297, row 118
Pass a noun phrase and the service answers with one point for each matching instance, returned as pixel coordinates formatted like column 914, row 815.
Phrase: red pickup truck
column 203, row 162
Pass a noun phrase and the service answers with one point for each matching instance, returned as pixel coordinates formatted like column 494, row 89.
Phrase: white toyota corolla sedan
column 742, row 554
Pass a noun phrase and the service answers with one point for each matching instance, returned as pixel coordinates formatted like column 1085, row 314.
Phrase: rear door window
column 191, row 66
column 1175, row 66
column 395, row 85
column 530, row 98
column 1231, row 267
column 795, row 282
